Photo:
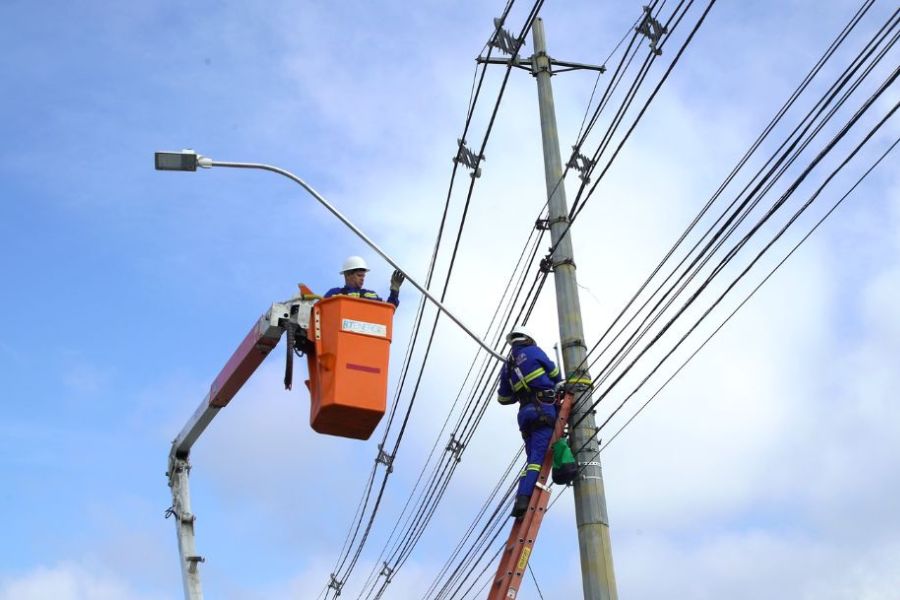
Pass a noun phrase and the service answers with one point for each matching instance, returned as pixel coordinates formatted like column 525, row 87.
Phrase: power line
column 751, row 294
column 780, row 202
column 732, row 221
column 730, row 224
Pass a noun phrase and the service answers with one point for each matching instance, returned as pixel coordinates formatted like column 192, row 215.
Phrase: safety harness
column 525, row 395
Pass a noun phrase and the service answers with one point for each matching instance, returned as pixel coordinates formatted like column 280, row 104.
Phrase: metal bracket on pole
column 503, row 40
column 468, row 158
column 455, row 447
column 652, row 30
column 547, row 264
column 545, row 224
column 179, row 469
column 584, row 167
column 384, row 458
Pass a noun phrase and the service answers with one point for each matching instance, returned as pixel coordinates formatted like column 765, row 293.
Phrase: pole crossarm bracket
column 574, row 66
column 515, row 61
column 652, row 30
column 468, row 158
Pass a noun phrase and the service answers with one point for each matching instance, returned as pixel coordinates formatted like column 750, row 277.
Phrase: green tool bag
column 565, row 469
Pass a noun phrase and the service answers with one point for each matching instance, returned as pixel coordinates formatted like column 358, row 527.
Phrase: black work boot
column 521, row 506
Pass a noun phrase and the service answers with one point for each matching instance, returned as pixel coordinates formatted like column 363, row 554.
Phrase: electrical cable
column 526, row 28
column 558, row 496
column 750, row 295
column 821, row 105
column 782, row 111
column 415, row 333
column 778, row 204
column 533, row 578
column 835, row 89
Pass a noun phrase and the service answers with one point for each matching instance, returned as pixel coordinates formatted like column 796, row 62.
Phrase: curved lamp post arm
column 207, row 162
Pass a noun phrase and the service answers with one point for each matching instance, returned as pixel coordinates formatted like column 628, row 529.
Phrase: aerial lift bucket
column 349, row 366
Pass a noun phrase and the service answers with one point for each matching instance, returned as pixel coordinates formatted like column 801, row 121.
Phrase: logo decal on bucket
column 375, row 329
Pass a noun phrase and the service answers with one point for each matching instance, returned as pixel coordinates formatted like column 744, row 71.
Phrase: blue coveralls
column 393, row 298
column 538, row 375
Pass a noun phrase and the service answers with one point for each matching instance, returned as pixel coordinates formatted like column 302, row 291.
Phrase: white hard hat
column 519, row 333
column 352, row 263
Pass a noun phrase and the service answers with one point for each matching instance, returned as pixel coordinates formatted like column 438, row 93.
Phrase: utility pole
column 597, row 576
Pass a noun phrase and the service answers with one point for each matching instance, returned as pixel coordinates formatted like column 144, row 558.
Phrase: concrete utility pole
column 598, row 578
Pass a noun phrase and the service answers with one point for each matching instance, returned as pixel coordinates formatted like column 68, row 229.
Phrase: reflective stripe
column 585, row 380
column 535, row 374
column 521, row 473
column 505, row 399
column 554, row 372
column 533, row 467
column 522, row 384
column 370, row 295
column 353, row 294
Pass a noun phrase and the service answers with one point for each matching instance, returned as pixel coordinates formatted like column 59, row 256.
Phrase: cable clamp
column 503, row 40
column 580, row 163
column 185, row 518
column 335, row 584
column 384, row 458
column 592, row 463
column 547, row 264
column 387, row 572
column 455, row 447
column 652, row 30
column 544, row 224
column 468, row 158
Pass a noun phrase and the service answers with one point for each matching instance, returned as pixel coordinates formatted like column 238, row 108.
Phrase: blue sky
column 768, row 468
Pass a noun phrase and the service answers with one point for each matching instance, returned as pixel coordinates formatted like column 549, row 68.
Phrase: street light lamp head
column 186, row 160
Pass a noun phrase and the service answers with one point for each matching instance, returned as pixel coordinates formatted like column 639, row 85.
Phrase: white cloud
column 755, row 564
column 70, row 581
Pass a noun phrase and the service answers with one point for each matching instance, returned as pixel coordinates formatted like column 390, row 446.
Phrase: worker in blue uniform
column 530, row 379
column 354, row 271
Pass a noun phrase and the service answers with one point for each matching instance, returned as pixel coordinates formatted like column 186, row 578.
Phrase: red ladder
column 514, row 558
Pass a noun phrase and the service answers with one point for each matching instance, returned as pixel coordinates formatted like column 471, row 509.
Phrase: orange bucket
column 348, row 370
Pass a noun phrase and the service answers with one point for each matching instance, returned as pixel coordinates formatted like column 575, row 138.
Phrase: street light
column 188, row 160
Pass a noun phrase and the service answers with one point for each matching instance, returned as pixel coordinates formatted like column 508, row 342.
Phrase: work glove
column 397, row 280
